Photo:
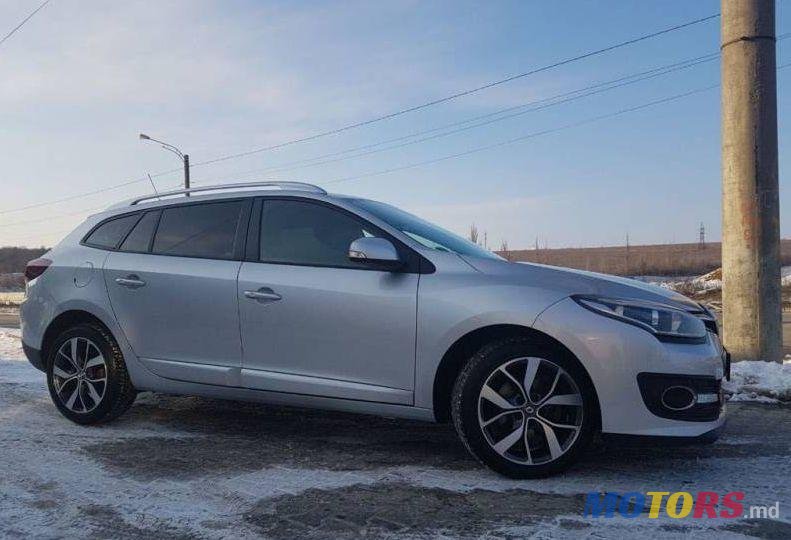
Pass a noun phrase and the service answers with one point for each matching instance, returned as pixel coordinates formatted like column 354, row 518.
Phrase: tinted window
column 140, row 237
column 311, row 234
column 110, row 233
column 423, row 232
column 199, row 230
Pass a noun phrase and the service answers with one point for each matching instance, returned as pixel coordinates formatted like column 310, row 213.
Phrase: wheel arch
column 62, row 322
column 467, row 345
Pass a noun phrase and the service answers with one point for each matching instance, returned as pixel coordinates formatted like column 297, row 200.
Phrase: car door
column 314, row 322
column 172, row 286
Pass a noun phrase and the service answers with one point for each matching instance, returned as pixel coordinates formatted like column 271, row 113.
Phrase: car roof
column 219, row 192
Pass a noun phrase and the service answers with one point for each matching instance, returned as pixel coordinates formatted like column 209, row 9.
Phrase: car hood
column 573, row 281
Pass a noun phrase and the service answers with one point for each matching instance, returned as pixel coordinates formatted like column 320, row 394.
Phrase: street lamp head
column 144, row 137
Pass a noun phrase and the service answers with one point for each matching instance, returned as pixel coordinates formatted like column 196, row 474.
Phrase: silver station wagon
column 280, row 292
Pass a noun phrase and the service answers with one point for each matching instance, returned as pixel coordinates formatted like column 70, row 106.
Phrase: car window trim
column 235, row 256
column 84, row 241
column 239, row 234
column 414, row 262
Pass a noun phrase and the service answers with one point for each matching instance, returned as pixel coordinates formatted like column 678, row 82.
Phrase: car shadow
column 193, row 436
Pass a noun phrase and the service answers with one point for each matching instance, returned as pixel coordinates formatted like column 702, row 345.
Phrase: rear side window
column 109, row 234
column 199, row 230
column 139, row 239
column 296, row 232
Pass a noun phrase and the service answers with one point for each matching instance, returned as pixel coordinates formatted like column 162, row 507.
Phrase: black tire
column 118, row 394
column 466, row 405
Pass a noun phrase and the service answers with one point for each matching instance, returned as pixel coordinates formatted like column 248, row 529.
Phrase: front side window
column 108, row 234
column 297, row 232
column 422, row 231
column 199, row 230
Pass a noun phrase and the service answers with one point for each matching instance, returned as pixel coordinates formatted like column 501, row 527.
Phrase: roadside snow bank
column 707, row 282
column 760, row 381
column 11, row 344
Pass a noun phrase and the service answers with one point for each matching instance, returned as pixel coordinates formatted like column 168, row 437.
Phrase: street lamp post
column 185, row 159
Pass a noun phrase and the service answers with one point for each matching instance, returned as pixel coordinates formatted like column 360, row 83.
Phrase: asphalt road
column 178, row 467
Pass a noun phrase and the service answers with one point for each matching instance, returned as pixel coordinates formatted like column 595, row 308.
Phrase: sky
column 83, row 78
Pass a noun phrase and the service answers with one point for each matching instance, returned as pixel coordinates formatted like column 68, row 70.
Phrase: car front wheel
column 524, row 410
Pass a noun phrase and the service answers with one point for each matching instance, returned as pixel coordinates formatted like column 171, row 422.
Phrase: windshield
column 423, row 232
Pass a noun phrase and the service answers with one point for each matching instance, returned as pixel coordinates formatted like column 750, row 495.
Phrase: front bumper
column 652, row 441
column 616, row 354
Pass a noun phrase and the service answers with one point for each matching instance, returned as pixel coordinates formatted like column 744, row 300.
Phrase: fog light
column 678, row 398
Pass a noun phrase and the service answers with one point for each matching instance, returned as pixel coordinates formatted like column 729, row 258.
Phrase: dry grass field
column 660, row 259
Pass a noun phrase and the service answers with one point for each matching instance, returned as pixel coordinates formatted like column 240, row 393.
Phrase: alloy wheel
column 79, row 375
column 530, row 411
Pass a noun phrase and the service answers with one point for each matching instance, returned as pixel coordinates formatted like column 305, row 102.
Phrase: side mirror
column 375, row 251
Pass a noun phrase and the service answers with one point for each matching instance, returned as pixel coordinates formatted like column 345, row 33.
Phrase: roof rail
column 297, row 186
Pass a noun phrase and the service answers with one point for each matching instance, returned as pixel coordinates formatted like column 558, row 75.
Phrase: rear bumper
column 33, row 356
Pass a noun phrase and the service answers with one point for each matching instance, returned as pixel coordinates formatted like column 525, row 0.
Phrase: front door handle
column 263, row 295
column 132, row 281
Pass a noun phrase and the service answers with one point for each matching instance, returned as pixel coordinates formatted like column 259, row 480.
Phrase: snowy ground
column 189, row 467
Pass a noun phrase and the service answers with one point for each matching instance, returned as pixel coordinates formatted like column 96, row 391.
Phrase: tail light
column 35, row 268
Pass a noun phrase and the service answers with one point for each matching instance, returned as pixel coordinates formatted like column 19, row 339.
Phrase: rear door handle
column 263, row 295
column 132, row 281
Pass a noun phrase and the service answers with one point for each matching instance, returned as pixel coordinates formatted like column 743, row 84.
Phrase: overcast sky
column 83, row 77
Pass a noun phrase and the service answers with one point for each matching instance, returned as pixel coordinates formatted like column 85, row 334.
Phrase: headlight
column 665, row 322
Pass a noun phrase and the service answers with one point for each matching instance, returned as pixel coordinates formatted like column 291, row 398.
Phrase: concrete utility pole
column 750, row 203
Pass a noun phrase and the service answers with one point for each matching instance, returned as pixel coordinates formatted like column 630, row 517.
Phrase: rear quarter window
column 110, row 233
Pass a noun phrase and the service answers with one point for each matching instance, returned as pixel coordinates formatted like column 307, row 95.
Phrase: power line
column 380, row 118
column 26, row 19
column 524, row 137
column 51, row 218
column 464, row 92
column 502, row 143
column 76, row 213
column 578, row 93
column 499, row 116
column 544, row 132
column 548, row 102
column 72, row 197
column 532, row 135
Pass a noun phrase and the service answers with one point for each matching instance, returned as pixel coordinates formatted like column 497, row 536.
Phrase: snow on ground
column 12, row 298
column 11, row 344
column 760, row 381
column 707, row 282
column 192, row 467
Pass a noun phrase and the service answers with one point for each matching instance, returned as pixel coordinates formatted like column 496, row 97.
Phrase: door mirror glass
column 378, row 251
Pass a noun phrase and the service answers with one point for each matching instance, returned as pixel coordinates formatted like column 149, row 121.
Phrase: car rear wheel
column 87, row 376
column 522, row 409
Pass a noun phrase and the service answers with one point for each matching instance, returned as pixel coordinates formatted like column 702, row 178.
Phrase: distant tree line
column 661, row 259
column 14, row 259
